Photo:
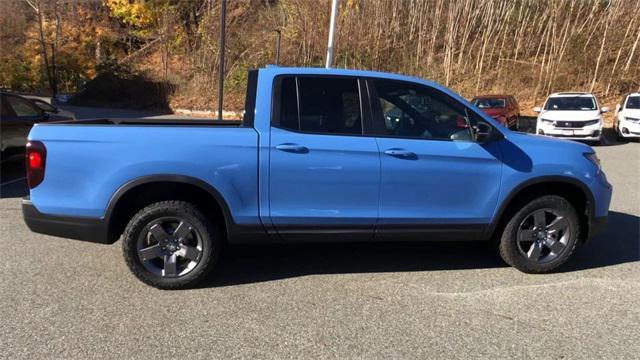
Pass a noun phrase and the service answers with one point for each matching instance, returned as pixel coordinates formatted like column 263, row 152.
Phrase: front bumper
column 79, row 228
column 629, row 129
column 587, row 133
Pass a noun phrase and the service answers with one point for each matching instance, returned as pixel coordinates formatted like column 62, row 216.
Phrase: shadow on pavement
column 609, row 138
column 618, row 244
column 257, row 263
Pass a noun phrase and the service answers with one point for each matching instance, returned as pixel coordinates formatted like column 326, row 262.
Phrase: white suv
column 573, row 115
column 627, row 121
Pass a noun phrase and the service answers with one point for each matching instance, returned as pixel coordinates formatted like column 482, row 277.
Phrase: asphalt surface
column 68, row 299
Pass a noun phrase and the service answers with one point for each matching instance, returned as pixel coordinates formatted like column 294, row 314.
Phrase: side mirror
column 605, row 109
column 537, row 109
column 482, row 133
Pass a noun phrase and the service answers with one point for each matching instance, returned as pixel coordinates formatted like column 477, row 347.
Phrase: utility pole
column 278, row 36
column 223, row 10
column 332, row 30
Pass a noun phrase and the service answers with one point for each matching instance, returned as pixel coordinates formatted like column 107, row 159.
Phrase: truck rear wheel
column 171, row 245
column 541, row 236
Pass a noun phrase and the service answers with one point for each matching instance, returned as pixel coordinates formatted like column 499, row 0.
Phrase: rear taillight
column 36, row 161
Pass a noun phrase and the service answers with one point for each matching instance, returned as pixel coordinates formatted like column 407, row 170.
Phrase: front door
column 324, row 177
column 435, row 178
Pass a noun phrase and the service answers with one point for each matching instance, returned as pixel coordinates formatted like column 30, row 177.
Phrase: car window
column 412, row 111
column 320, row 105
column 288, row 105
column 584, row 103
column 489, row 103
column 44, row 106
column 633, row 102
column 22, row 107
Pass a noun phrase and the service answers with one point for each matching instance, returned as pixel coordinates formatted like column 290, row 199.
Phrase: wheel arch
column 575, row 191
column 142, row 191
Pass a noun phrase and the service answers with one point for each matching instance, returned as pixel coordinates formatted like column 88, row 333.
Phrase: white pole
column 332, row 30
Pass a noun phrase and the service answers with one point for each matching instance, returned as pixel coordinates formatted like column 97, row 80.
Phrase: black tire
column 200, row 230
column 511, row 249
column 619, row 134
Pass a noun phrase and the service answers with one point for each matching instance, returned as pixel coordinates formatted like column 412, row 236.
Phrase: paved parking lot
column 68, row 299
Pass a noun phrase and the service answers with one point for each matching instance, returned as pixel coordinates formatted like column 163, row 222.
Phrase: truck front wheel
column 171, row 245
column 541, row 235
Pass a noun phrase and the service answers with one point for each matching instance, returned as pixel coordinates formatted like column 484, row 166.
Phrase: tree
column 49, row 59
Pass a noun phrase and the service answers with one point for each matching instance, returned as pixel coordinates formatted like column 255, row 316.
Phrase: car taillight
column 36, row 160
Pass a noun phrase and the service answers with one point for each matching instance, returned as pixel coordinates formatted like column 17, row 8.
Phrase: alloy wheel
column 169, row 247
column 543, row 235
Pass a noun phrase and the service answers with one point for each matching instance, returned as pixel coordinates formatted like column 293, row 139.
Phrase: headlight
column 591, row 122
column 547, row 121
column 594, row 159
column 634, row 120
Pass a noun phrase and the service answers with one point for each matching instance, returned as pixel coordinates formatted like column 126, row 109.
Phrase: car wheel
column 541, row 236
column 171, row 245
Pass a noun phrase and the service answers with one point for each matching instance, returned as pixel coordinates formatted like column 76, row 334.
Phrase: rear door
column 324, row 174
column 435, row 179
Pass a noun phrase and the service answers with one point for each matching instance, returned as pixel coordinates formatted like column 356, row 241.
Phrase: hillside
column 528, row 48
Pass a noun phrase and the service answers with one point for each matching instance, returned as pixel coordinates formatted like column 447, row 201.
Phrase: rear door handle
column 292, row 148
column 402, row 154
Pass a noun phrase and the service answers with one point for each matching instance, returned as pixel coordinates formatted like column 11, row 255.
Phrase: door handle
column 402, row 154
column 292, row 148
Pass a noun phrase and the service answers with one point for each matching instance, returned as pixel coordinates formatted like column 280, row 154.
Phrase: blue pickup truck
column 320, row 155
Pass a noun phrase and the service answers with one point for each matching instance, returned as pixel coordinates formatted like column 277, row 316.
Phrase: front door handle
column 402, row 154
column 292, row 148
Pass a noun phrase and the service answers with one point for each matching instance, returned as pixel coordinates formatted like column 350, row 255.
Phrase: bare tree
column 48, row 59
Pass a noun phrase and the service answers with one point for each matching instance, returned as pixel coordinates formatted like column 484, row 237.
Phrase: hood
column 533, row 141
column 494, row 111
column 632, row 113
column 569, row 115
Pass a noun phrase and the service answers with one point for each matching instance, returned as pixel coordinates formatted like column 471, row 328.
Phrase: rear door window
column 319, row 105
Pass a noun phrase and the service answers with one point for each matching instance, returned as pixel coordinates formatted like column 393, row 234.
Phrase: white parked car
column 627, row 120
column 571, row 115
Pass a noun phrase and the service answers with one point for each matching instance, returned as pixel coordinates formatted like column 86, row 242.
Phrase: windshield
column 488, row 103
column 633, row 102
column 585, row 103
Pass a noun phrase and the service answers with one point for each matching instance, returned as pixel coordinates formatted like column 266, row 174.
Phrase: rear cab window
column 318, row 105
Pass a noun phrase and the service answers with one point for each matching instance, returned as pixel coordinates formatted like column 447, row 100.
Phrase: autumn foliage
column 528, row 48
